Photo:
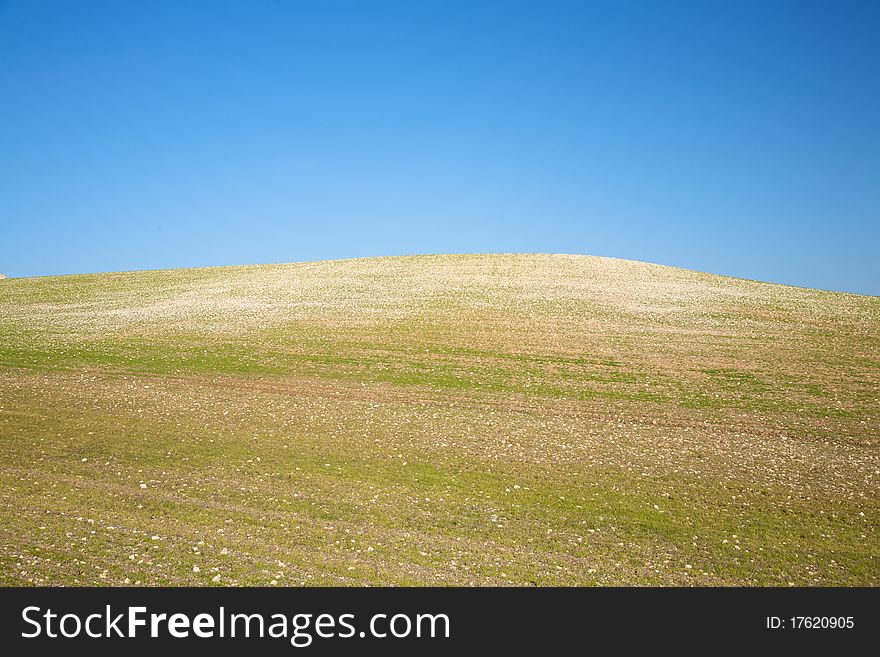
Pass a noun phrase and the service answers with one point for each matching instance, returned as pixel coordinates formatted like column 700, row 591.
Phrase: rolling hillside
column 474, row 419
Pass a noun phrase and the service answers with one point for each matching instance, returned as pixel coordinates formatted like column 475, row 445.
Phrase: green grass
column 535, row 420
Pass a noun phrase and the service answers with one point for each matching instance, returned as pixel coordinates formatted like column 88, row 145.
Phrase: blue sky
column 740, row 138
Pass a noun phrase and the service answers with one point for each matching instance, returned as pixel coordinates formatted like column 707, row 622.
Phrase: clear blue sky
column 740, row 138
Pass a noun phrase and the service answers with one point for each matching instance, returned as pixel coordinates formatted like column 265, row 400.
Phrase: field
column 437, row 420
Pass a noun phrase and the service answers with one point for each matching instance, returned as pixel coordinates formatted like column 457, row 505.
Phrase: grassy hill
column 474, row 419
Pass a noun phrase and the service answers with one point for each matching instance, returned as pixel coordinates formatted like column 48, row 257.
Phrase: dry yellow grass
column 479, row 419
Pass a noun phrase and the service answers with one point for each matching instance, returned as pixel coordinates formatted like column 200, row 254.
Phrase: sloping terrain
column 479, row 419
